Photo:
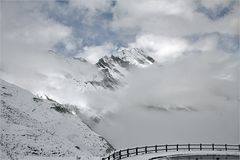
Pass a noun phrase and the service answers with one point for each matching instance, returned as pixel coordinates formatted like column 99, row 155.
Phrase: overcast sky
column 93, row 28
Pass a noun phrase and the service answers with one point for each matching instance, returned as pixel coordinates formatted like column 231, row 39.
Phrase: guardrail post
column 226, row 147
column 120, row 154
column 239, row 147
column 156, row 148
column 177, row 147
column 166, row 148
column 200, row 147
column 213, row 147
column 145, row 149
column 136, row 150
column 114, row 155
column 188, row 147
column 127, row 152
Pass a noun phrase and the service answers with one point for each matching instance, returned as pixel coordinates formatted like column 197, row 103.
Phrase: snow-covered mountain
column 110, row 70
column 31, row 126
column 34, row 127
column 65, row 78
column 114, row 68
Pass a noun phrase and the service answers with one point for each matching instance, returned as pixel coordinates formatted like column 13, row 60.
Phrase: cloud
column 215, row 41
column 91, row 6
column 214, row 3
column 202, row 80
column 219, row 8
column 187, row 81
column 94, row 53
column 169, row 48
column 195, row 93
column 201, row 76
column 89, row 21
column 161, row 48
column 93, row 23
column 85, row 11
column 147, row 15
column 33, row 29
column 26, row 36
column 169, row 19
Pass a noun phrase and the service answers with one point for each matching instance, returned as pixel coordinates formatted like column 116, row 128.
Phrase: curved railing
column 130, row 152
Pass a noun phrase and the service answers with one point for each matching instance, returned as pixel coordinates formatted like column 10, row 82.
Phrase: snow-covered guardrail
column 130, row 152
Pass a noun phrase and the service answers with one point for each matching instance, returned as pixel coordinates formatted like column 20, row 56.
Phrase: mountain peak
column 115, row 67
column 126, row 57
column 136, row 57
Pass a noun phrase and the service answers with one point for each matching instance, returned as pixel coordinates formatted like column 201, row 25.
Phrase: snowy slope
column 31, row 126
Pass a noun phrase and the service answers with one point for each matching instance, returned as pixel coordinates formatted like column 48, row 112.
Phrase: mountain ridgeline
column 114, row 68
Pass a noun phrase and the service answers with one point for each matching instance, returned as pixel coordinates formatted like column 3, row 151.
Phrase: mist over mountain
column 104, row 74
column 130, row 84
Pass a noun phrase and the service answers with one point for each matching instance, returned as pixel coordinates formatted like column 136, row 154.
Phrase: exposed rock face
column 113, row 68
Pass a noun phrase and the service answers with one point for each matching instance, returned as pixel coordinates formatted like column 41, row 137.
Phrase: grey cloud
column 197, row 86
column 217, row 12
column 226, row 42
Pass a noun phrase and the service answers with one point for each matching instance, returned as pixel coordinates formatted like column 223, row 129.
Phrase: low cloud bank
column 192, row 99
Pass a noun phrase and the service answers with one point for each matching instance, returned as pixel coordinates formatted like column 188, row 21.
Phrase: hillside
column 31, row 126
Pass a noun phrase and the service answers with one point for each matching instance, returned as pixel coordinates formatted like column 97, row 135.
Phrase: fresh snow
column 30, row 126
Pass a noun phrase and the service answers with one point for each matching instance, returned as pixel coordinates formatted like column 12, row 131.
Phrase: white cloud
column 26, row 36
column 94, row 53
column 169, row 18
column 44, row 33
column 206, row 83
column 147, row 16
column 161, row 48
column 23, row 23
column 168, row 48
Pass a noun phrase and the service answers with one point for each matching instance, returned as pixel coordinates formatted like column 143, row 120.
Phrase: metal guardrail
column 130, row 152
